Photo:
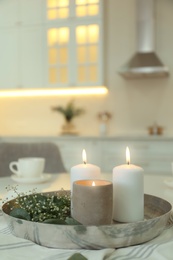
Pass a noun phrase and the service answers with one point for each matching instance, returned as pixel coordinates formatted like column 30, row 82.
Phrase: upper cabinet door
column 21, row 37
column 9, row 58
column 31, row 57
column 31, row 12
column 9, row 12
column 74, row 42
column 56, row 43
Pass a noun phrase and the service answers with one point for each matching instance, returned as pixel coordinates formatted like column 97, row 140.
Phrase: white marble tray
column 157, row 213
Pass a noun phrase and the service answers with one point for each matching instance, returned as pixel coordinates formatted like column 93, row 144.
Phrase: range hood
column 145, row 63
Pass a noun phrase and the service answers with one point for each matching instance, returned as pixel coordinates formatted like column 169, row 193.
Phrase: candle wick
column 128, row 162
column 84, row 162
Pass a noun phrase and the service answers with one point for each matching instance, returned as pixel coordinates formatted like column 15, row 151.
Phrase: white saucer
column 169, row 182
column 43, row 178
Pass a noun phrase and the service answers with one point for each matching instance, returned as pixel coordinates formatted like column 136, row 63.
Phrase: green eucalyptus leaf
column 36, row 197
column 39, row 207
column 41, row 198
column 80, row 229
column 19, row 221
column 20, row 213
column 77, row 256
column 72, row 221
column 55, row 221
column 56, row 199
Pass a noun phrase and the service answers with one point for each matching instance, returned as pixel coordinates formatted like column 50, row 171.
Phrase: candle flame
column 84, row 156
column 93, row 183
column 127, row 155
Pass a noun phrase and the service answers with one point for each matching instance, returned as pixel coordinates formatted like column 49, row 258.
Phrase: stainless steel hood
column 145, row 63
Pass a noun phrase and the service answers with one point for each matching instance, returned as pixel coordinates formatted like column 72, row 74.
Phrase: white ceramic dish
column 43, row 178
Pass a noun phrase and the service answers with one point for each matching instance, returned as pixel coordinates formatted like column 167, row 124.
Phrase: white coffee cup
column 28, row 167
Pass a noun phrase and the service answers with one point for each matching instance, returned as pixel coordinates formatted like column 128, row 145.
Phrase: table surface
column 12, row 247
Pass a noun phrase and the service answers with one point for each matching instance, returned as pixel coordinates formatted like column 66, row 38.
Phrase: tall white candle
column 128, row 192
column 84, row 171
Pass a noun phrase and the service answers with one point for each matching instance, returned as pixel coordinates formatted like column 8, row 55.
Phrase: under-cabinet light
column 54, row 92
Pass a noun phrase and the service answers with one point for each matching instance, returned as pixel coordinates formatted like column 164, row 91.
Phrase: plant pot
column 69, row 128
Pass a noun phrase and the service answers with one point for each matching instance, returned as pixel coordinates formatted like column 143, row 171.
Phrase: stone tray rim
column 116, row 235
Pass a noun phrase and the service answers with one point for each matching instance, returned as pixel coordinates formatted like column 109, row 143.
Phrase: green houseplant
column 69, row 112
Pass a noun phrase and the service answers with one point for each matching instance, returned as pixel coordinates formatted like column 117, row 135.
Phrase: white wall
column 134, row 104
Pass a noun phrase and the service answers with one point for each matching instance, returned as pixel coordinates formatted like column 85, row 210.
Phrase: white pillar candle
column 128, row 192
column 84, row 171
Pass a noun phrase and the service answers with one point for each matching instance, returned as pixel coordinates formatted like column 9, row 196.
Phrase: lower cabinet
column 71, row 151
column 154, row 155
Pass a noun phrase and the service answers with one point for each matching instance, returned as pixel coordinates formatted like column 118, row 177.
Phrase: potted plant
column 69, row 112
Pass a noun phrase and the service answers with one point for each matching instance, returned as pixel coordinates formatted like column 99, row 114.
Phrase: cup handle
column 11, row 166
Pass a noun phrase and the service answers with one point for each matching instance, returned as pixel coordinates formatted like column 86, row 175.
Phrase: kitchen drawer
column 71, row 152
column 161, row 148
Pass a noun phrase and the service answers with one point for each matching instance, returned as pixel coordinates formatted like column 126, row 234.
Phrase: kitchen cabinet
column 21, row 37
column 51, row 43
column 19, row 45
column 114, row 153
column 9, row 58
column 31, row 12
column 72, row 151
column 74, row 43
column 153, row 154
column 31, row 65
column 20, row 12
column 9, row 12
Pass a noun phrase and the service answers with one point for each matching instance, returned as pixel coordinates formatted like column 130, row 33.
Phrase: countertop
column 92, row 138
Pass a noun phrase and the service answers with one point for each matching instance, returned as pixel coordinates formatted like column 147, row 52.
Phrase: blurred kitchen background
column 135, row 104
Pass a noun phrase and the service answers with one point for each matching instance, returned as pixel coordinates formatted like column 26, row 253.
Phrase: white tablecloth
column 13, row 248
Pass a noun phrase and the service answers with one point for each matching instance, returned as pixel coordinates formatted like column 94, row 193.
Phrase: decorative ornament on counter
column 155, row 129
column 69, row 112
column 128, row 192
column 104, row 118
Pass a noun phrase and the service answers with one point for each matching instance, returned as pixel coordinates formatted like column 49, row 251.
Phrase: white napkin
column 160, row 248
column 14, row 248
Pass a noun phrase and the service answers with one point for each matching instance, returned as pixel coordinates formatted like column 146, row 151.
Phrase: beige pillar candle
column 92, row 202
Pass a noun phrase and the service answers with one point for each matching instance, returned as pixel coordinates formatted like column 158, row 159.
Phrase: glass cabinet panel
column 57, row 9
column 87, row 8
column 58, row 39
column 87, row 51
column 73, row 39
